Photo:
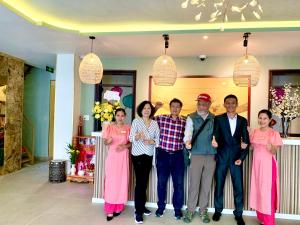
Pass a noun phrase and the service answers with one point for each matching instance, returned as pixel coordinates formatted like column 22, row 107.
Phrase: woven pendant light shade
column 246, row 71
column 91, row 69
column 164, row 71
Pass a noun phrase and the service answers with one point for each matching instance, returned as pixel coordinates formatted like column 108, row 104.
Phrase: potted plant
column 73, row 154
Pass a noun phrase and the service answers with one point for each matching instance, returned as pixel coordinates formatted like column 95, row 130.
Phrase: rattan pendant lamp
column 247, row 70
column 164, row 68
column 90, row 68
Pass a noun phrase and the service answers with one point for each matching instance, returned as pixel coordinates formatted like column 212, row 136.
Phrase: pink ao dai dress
column 264, row 197
column 116, row 169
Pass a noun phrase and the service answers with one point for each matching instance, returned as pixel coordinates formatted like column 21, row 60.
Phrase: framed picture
column 188, row 88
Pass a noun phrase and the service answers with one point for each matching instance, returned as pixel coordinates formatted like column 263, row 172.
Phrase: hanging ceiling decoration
column 91, row 68
column 164, row 68
column 222, row 8
column 247, row 70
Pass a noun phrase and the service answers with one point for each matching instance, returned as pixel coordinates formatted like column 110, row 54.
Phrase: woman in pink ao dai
column 264, row 189
column 116, row 181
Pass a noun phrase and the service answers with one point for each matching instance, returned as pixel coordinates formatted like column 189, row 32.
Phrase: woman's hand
column 108, row 141
column 123, row 146
column 272, row 148
column 120, row 147
column 139, row 136
column 149, row 142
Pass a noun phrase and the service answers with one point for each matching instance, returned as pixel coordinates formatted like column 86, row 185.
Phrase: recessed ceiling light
column 205, row 37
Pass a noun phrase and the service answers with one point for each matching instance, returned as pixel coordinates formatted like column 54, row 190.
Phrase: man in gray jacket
column 203, row 163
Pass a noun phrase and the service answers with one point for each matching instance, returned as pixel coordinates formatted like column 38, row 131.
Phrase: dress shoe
column 239, row 220
column 216, row 216
column 116, row 214
column 109, row 218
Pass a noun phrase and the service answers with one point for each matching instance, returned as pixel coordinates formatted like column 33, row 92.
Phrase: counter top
column 96, row 134
column 291, row 141
column 286, row 141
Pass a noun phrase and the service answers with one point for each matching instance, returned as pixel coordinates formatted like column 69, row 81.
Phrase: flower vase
column 73, row 170
column 105, row 125
column 285, row 128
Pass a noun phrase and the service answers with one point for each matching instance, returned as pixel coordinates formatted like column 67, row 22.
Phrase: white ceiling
column 38, row 45
column 168, row 11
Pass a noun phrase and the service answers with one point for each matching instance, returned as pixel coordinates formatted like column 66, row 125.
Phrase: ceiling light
column 247, row 70
column 90, row 68
column 222, row 8
column 164, row 68
column 205, row 37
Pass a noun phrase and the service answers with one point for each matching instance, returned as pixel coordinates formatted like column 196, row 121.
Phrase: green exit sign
column 49, row 69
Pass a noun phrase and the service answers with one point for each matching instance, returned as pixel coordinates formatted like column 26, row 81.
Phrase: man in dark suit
column 231, row 139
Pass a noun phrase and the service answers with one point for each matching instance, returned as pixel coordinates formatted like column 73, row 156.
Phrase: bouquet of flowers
column 73, row 153
column 105, row 111
column 285, row 103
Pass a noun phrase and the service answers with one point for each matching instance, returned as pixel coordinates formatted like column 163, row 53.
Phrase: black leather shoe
column 239, row 220
column 216, row 216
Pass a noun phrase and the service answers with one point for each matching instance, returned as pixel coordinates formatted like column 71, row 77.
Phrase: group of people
column 216, row 144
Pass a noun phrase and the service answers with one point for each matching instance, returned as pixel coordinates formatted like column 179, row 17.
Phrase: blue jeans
column 170, row 164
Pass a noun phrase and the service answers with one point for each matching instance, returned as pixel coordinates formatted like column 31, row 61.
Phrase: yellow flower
column 109, row 108
column 105, row 111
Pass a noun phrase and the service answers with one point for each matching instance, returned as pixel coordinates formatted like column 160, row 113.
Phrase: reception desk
column 288, row 158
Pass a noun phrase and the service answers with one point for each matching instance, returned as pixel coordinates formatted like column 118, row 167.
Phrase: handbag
column 188, row 152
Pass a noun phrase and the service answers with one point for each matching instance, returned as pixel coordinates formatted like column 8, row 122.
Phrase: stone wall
column 12, row 74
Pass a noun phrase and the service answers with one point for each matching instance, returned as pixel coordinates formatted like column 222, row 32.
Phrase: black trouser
column 236, row 173
column 142, row 166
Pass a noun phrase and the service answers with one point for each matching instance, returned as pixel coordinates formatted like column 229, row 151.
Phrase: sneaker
column 147, row 212
column 188, row 217
column 139, row 218
column 159, row 212
column 204, row 216
column 178, row 214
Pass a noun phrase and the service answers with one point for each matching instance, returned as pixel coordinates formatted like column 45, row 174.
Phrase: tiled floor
column 27, row 198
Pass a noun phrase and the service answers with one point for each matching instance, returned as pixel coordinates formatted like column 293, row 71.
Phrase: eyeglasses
column 205, row 104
